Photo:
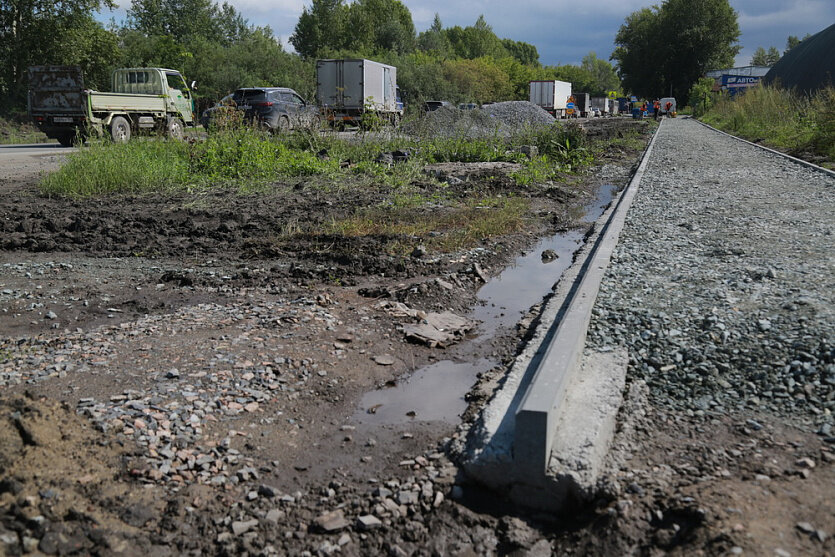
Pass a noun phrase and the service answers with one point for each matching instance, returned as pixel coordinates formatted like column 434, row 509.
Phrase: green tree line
column 214, row 45
column 660, row 50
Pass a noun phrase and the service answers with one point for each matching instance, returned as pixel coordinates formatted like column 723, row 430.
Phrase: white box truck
column 347, row 90
column 551, row 95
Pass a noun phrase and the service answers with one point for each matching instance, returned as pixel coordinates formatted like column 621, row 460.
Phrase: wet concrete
column 436, row 392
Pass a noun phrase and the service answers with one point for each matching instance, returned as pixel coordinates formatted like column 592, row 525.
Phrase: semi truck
column 602, row 104
column 350, row 91
column 551, row 95
column 140, row 100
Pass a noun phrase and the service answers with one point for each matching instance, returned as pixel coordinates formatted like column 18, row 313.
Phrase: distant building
column 734, row 80
column 807, row 67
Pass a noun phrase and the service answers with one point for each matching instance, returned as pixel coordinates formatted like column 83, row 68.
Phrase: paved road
column 21, row 161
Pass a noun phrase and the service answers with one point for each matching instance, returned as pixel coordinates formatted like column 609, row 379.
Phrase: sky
column 564, row 31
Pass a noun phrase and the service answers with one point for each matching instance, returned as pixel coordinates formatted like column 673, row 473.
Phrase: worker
column 667, row 108
column 656, row 108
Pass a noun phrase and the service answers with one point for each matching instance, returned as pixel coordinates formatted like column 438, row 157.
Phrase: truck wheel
column 175, row 130
column 119, row 130
column 66, row 140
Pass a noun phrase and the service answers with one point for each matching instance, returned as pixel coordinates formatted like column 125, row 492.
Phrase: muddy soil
column 181, row 376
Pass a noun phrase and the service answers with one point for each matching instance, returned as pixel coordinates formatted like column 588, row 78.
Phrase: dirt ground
column 177, row 380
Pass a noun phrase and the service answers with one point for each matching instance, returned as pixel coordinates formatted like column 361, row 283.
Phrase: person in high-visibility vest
column 656, row 107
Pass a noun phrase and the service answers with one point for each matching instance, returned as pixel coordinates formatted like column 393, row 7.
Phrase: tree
column 603, row 74
column 666, row 49
column 765, row 58
column 380, row 25
column 35, row 32
column 185, row 20
column 792, row 41
column 434, row 39
column 523, row 52
column 320, row 28
column 475, row 41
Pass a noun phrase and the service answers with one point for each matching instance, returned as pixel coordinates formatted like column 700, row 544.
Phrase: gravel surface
column 722, row 283
column 504, row 118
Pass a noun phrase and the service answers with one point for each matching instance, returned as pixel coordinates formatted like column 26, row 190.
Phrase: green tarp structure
column 807, row 67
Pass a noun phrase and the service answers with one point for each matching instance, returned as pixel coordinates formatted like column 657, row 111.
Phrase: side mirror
column 193, row 86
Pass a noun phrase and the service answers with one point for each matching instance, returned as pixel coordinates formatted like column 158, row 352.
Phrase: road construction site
column 177, row 382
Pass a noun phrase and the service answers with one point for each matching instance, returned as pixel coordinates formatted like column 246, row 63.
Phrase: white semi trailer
column 551, row 95
column 349, row 90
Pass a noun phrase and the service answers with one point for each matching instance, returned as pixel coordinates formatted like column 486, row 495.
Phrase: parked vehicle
column 142, row 99
column 467, row 106
column 551, row 95
column 348, row 90
column 582, row 104
column 429, row 106
column 663, row 102
column 601, row 105
column 277, row 109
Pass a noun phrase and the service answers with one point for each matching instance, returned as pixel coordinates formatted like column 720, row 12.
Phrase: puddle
column 432, row 393
column 436, row 392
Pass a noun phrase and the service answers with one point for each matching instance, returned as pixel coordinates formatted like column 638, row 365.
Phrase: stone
column 331, row 521
column 240, row 527
column 275, row 516
column 384, row 360
column 368, row 522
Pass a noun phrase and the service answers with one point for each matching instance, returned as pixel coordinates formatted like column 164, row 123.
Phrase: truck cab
column 169, row 84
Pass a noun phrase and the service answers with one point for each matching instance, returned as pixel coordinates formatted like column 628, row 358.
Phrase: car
column 467, row 106
column 277, row 109
column 595, row 112
column 430, row 106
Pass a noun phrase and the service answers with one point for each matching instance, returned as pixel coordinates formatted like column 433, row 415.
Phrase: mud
column 120, row 312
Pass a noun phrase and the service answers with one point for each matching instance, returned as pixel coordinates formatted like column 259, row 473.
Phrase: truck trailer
column 349, row 91
column 551, row 95
column 582, row 104
column 141, row 99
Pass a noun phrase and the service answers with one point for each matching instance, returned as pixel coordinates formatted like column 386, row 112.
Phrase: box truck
column 582, row 104
column 348, row 91
column 551, row 95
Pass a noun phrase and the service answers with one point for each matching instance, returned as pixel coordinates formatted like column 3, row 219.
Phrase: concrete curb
column 538, row 412
column 770, row 150
column 491, row 452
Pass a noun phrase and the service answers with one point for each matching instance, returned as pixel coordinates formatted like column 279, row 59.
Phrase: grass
column 781, row 119
column 413, row 207
column 455, row 226
column 15, row 131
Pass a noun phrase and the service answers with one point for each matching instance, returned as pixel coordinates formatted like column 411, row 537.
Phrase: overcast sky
column 564, row 31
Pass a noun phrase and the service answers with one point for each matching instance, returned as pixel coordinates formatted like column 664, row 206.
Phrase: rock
column 805, row 463
column 275, row 516
column 331, row 521
column 384, row 360
column 805, row 527
column 240, row 527
column 267, row 491
column 549, row 255
column 407, row 498
column 368, row 522
column 51, row 315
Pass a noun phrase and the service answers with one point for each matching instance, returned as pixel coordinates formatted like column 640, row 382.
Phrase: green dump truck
column 142, row 100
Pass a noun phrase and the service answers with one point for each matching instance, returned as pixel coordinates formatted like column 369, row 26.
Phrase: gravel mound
column 720, row 286
column 503, row 118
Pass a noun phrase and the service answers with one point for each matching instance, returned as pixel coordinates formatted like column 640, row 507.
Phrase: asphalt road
column 18, row 161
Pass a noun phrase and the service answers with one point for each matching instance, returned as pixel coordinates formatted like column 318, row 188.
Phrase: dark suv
column 277, row 109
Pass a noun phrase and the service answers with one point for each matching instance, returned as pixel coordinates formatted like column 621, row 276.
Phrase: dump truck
column 140, row 100
column 551, row 95
column 357, row 91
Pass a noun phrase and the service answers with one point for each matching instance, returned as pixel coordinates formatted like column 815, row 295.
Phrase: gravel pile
column 721, row 285
column 503, row 118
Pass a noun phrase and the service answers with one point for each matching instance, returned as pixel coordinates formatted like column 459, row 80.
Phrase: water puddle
column 436, row 392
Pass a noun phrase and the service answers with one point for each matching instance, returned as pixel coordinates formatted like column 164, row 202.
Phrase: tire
column 175, row 129
column 66, row 140
column 119, row 130
column 283, row 125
